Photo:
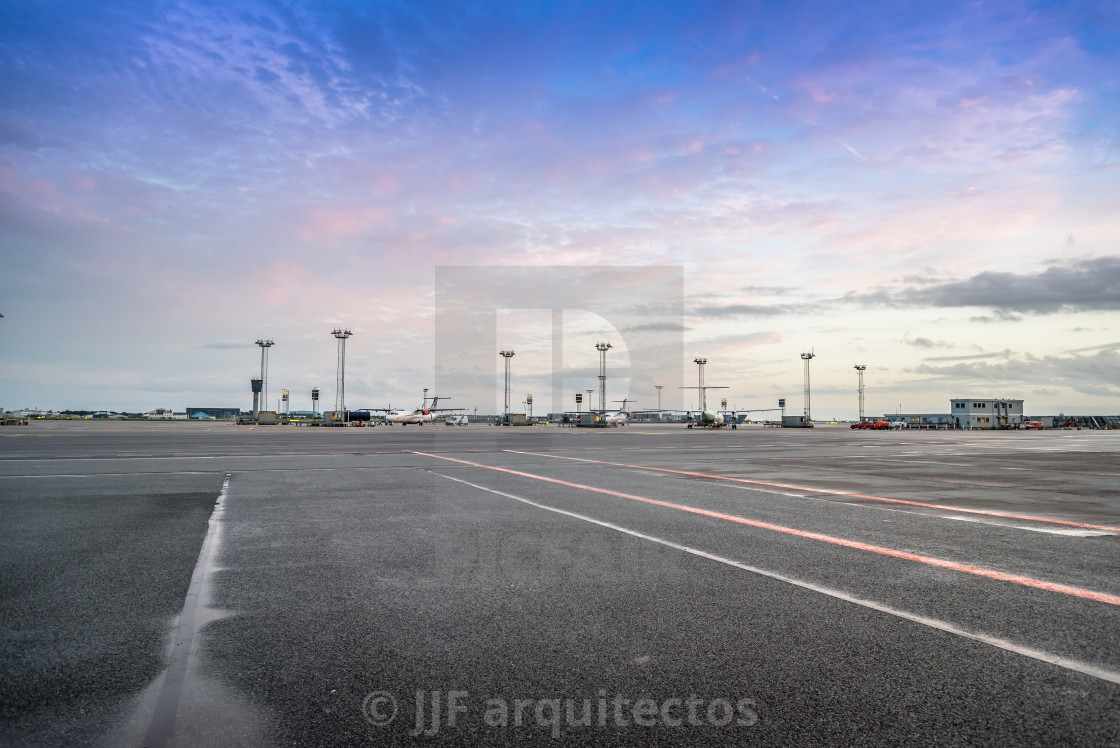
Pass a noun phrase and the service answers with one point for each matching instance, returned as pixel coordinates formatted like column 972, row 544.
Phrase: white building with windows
column 974, row 413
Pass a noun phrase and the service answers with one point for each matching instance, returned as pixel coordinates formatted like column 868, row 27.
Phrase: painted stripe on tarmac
column 111, row 475
column 196, row 613
column 1036, row 654
column 1064, row 589
column 831, row 492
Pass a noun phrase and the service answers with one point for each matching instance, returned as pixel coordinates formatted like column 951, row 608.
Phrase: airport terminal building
column 214, row 413
column 973, row 413
column 965, row 413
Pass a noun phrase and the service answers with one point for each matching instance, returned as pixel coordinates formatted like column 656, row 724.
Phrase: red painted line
column 905, row 555
column 1006, row 515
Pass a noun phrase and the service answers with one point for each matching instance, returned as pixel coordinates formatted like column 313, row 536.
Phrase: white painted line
column 102, row 475
column 1035, row 654
column 826, row 491
column 1046, row 530
column 197, row 612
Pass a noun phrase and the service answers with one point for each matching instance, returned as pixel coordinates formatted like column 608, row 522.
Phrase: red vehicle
column 872, row 425
column 1033, row 425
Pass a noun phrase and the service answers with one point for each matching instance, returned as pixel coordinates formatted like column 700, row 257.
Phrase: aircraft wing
column 444, row 410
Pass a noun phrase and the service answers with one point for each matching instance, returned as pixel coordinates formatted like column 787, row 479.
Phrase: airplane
column 707, row 419
column 419, row 416
column 618, row 417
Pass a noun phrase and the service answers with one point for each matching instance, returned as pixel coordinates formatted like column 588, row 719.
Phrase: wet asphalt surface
column 351, row 574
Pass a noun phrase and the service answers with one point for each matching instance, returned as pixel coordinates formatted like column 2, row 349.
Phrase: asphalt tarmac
column 209, row 584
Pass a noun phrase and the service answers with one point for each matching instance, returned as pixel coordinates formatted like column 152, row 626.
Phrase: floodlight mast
column 507, row 355
column 340, row 374
column 807, row 357
column 659, row 387
column 602, row 348
column 701, row 363
column 265, row 345
column 860, row 368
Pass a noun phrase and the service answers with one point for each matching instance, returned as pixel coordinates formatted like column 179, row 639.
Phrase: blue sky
column 927, row 189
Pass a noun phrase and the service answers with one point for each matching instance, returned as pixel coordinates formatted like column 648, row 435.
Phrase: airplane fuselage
column 618, row 419
column 709, row 420
column 418, row 416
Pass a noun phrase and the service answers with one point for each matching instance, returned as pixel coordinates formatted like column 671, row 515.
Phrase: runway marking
column 196, row 613
column 832, row 492
column 979, row 571
column 1048, row 530
column 1036, row 654
column 102, row 475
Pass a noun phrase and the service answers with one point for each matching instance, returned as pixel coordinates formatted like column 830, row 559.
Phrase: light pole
column 340, row 379
column 807, row 357
column 602, row 348
column 700, row 362
column 860, row 368
column 265, row 344
column 507, row 355
column 659, row 387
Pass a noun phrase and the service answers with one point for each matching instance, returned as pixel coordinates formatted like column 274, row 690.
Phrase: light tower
column 507, row 355
column 807, row 357
column 265, row 345
column 860, row 368
column 602, row 348
column 340, row 373
column 700, row 363
column 659, row 387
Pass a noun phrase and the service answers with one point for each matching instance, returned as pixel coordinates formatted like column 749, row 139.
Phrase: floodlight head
column 602, row 347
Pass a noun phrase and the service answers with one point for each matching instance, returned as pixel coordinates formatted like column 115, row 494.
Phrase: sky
column 927, row 189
